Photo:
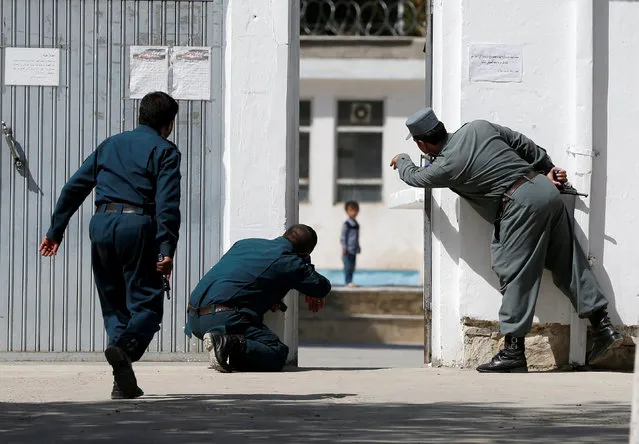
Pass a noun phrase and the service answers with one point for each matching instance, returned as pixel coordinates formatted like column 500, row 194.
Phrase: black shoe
column 221, row 347
column 122, row 371
column 506, row 361
column 510, row 359
column 132, row 347
column 116, row 393
column 605, row 337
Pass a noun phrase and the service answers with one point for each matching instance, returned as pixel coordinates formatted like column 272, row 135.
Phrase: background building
column 362, row 74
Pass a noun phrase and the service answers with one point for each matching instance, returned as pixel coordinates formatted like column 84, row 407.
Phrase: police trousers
column 264, row 350
column 124, row 256
column 536, row 232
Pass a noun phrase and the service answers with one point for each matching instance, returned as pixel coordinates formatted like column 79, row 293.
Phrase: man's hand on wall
column 558, row 176
column 315, row 304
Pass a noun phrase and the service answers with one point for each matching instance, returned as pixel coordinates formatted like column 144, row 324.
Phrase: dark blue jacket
column 256, row 274
column 350, row 236
column 137, row 167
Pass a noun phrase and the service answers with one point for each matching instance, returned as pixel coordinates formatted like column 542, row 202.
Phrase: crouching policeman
column 136, row 176
column 227, row 307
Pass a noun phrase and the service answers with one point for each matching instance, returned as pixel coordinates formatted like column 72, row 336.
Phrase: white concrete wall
column 615, row 213
column 390, row 239
column 548, row 106
column 261, row 94
column 539, row 107
column 447, row 343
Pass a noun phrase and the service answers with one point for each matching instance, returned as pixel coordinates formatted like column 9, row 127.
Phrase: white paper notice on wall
column 149, row 70
column 495, row 63
column 191, row 66
column 32, row 66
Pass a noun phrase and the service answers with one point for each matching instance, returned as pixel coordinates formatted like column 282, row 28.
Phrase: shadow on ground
column 307, row 419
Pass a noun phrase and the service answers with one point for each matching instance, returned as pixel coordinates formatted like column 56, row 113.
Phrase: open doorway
column 362, row 74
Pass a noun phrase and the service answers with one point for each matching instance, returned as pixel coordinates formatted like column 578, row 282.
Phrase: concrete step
column 374, row 301
column 362, row 329
column 366, row 315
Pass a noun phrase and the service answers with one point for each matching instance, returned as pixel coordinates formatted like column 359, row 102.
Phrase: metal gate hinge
column 8, row 134
column 588, row 153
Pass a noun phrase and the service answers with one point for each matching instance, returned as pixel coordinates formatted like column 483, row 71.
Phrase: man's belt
column 507, row 196
column 121, row 208
column 208, row 309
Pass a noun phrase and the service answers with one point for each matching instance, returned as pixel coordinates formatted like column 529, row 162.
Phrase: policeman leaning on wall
column 497, row 171
column 134, row 231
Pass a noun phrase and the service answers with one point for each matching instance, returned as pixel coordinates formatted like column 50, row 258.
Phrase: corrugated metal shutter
column 51, row 305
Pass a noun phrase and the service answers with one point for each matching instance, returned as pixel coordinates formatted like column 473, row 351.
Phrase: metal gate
column 51, row 305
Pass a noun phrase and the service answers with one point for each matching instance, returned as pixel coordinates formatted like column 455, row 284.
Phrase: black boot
column 122, row 370
column 604, row 336
column 116, row 393
column 221, row 347
column 510, row 359
column 133, row 348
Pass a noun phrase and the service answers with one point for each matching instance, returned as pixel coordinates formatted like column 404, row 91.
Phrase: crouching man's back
column 227, row 307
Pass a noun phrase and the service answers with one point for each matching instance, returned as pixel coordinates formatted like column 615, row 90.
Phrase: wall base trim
column 547, row 345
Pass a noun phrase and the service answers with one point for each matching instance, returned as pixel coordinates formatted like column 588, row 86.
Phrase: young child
column 350, row 241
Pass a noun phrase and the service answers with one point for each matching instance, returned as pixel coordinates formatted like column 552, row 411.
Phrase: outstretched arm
column 71, row 197
column 430, row 176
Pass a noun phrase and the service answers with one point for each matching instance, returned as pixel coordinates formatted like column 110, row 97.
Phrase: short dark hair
column 351, row 204
column 303, row 238
column 434, row 136
column 157, row 110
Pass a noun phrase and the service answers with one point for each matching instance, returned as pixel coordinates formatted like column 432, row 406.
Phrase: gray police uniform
column 494, row 169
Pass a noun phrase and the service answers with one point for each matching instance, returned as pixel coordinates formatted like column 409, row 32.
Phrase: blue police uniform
column 252, row 277
column 136, row 175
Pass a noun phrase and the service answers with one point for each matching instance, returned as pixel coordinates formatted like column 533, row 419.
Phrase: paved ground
column 384, row 356
column 350, row 402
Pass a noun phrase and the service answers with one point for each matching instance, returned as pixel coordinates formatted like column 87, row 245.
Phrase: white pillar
column 634, row 423
column 582, row 152
column 261, row 96
column 447, row 333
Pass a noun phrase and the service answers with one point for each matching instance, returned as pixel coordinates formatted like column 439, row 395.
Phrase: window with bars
column 304, row 145
column 359, row 150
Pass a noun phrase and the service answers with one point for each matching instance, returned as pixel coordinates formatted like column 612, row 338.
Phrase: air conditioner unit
column 361, row 113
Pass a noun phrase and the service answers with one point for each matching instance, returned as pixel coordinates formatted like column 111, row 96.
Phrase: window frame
column 372, row 129
column 307, row 129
